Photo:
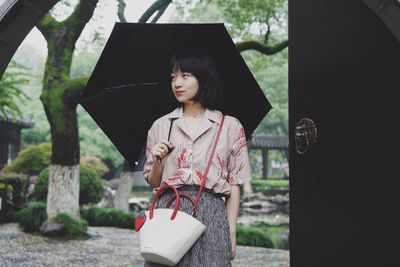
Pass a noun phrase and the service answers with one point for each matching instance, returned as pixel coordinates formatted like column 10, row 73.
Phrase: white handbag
column 166, row 235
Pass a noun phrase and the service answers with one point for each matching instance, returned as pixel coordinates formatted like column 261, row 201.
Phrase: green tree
column 11, row 93
column 59, row 97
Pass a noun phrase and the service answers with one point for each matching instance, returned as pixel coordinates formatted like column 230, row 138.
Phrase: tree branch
column 46, row 25
column 73, row 89
column 264, row 49
column 160, row 6
column 77, row 20
column 121, row 10
column 267, row 34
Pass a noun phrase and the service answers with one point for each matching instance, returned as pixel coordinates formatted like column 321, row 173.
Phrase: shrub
column 31, row 217
column 279, row 233
column 31, row 160
column 251, row 236
column 97, row 216
column 17, row 189
column 73, row 227
column 91, row 187
column 270, row 183
column 95, row 164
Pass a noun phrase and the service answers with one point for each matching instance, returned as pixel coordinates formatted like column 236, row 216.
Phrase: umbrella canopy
column 130, row 86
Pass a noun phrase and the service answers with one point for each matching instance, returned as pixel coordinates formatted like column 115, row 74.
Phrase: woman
column 182, row 160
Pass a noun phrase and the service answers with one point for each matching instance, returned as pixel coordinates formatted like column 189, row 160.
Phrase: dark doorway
column 344, row 75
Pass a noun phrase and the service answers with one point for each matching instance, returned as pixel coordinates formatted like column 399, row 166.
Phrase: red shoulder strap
column 204, row 178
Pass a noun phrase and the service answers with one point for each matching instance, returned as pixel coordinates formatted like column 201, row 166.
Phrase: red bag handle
column 159, row 191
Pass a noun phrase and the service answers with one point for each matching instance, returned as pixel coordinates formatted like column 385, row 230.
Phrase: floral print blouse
column 187, row 162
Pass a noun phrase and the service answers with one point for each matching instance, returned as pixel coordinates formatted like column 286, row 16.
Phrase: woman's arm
column 232, row 207
column 154, row 176
column 161, row 151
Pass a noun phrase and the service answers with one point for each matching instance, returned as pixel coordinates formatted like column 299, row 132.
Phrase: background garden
column 110, row 193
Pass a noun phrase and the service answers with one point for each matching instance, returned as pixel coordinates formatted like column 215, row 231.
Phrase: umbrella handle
column 169, row 135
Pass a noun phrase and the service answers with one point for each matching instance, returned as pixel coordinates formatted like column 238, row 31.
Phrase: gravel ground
column 105, row 246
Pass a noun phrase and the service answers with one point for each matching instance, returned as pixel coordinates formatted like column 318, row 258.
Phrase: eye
column 186, row 75
column 173, row 76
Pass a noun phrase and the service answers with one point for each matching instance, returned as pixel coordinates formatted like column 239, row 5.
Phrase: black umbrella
column 130, row 85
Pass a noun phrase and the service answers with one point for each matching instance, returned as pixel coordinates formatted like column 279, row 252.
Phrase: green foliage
column 270, row 183
column 271, row 73
column 41, row 185
column 74, row 227
column 97, row 216
column 251, row 236
column 244, row 15
column 95, row 164
column 91, row 187
column 17, row 189
column 11, row 94
column 244, row 19
column 279, row 234
column 31, row 160
column 31, row 217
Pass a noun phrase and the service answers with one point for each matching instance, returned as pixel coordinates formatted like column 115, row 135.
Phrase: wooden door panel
column 344, row 70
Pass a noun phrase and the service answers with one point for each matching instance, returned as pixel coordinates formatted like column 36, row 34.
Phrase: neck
column 193, row 109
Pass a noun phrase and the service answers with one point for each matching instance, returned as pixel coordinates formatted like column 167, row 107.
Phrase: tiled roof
column 23, row 122
column 271, row 142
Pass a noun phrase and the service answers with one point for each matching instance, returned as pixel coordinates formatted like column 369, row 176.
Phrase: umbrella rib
column 115, row 88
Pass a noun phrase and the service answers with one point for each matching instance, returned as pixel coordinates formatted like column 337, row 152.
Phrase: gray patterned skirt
column 213, row 248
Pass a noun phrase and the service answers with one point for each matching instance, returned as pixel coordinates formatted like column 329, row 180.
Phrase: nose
column 177, row 82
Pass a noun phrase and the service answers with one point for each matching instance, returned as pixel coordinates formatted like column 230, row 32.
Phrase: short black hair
column 201, row 66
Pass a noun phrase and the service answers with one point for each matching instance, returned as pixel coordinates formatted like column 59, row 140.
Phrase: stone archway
column 17, row 18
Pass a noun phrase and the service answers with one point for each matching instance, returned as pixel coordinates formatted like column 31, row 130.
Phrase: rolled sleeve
column 238, row 164
column 148, row 165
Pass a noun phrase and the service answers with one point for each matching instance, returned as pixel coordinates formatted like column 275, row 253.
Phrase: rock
column 108, row 199
column 252, row 205
column 52, row 228
column 139, row 204
column 279, row 199
column 254, row 197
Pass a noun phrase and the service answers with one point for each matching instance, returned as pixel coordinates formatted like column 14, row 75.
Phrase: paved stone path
column 106, row 246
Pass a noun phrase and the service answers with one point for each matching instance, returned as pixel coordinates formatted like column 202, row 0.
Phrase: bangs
column 186, row 63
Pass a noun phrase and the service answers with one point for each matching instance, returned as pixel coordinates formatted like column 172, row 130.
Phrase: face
column 184, row 86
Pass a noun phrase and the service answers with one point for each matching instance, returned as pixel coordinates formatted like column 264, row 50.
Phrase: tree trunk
column 63, row 190
column 63, row 193
column 247, row 189
column 59, row 98
column 121, row 200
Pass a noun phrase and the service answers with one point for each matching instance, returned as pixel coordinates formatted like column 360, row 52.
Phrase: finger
column 168, row 144
column 165, row 147
column 161, row 152
column 158, row 152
